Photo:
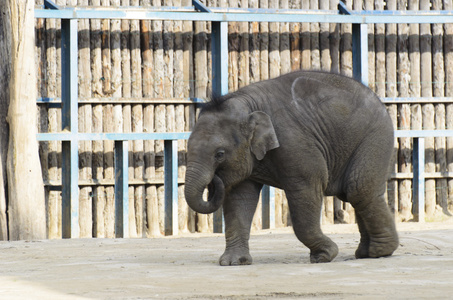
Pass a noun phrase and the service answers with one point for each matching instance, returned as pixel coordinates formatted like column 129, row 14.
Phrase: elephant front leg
column 238, row 209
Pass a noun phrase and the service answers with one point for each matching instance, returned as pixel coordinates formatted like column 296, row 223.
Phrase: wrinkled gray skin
column 308, row 133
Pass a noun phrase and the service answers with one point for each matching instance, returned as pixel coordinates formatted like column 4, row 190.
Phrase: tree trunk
column 26, row 207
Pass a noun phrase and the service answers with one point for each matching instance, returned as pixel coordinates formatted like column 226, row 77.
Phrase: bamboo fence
column 136, row 76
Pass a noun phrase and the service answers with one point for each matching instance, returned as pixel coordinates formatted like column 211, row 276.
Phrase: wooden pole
column 98, row 146
column 85, row 125
column 305, row 40
column 151, row 203
column 254, row 47
column 108, row 126
column 314, row 39
column 244, row 54
column 334, row 41
column 405, row 154
column 440, row 121
column 324, row 43
column 26, row 203
column 427, row 109
column 391, row 91
column 414, row 85
column 294, row 29
column 264, row 45
column 369, row 5
column 448, row 57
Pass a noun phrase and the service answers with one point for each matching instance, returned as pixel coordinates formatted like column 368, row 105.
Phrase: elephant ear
column 263, row 137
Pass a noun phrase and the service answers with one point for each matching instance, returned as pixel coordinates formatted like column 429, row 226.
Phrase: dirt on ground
column 187, row 268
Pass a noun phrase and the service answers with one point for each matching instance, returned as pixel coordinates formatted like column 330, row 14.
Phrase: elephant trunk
column 196, row 182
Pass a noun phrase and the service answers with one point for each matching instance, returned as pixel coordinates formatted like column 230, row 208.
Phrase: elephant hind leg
column 365, row 188
column 377, row 228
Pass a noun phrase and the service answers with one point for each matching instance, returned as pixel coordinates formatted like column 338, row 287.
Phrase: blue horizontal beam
column 423, row 133
column 362, row 17
column 120, row 100
column 403, row 100
column 67, row 136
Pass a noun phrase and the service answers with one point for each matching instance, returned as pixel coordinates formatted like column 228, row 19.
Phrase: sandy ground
column 187, row 268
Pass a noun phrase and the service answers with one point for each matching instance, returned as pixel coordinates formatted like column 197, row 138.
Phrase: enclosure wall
column 138, row 76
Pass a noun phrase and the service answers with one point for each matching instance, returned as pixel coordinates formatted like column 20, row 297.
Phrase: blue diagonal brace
column 50, row 5
column 200, row 6
column 343, row 9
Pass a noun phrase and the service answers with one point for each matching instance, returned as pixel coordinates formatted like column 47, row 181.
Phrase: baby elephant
column 308, row 133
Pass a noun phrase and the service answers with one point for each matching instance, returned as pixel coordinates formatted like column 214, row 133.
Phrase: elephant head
column 222, row 151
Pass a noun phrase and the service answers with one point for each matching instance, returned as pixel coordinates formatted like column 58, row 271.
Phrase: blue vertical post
column 171, row 186
column 69, row 114
column 418, row 182
column 219, row 49
column 121, row 189
column 268, row 202
column 360, row 52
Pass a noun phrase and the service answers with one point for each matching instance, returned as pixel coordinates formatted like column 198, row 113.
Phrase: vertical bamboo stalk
column 369, row 5
column 159, row 110
column 233, row 47
column 414, row 86
column 391, row 91
column 254, row 47
column 285, row 55
column 440, row 122
column 108, row 126
column 150, row 205
column 427, row 109
column 305, row 40
column 43, row 125
column 85, row 117
column 380, row 53
column 127, row 111
column 116, row 75
column 264, row 45
column 189, row 110
column 405, row 154
column 201, row 84
column 294, row 29
column 244, row 54
column 346, row 46
column 314, row 39
column 334, row 41
column 54, row 199
column 137, row 123
column 324, row 43
column 448, row 57
column 179, row 90
column 98, row 146
column 168, row 36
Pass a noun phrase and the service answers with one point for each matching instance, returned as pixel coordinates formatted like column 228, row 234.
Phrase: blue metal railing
column 219, row 18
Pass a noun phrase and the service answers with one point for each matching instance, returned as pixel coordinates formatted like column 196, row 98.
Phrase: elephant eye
column 220, row 155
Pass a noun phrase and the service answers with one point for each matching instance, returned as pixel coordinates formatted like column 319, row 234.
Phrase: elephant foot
column 235, row 258
column 324, row 255
column 362, row 250
column 375, row 249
